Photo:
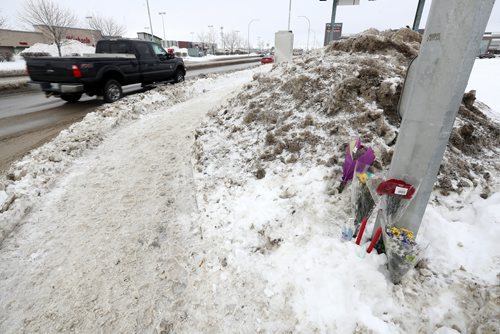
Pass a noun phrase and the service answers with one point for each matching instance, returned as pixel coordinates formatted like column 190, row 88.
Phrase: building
column 148, row 37
column 85, row 36
column 491, row 42
column 14, row 41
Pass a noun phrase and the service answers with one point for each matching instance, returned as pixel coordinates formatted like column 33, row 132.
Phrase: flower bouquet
column 398, row 195
column 402, row 251
column 362, row 200
column 355, row 152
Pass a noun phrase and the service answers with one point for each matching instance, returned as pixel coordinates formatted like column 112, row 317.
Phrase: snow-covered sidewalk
column 114, row 247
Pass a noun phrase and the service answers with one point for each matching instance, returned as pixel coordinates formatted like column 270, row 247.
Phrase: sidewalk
column 115, row 246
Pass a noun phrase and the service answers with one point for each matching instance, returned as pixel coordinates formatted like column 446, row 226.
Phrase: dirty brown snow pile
column 307, row 110
column 268, row 164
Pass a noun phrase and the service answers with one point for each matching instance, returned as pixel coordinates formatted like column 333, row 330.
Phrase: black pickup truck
column 117, row 62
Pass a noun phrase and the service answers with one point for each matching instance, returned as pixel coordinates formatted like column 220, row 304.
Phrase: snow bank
column 70, row 47
column 17, row 65
column 33, row 176
column 268, row 166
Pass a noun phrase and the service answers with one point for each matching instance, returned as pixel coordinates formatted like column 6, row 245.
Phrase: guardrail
column 189, row 65
column 219, row 63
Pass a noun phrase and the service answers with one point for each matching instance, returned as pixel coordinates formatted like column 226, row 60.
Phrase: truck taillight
column 76, row 71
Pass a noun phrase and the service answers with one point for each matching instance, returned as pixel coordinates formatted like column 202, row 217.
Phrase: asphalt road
column 28, row 119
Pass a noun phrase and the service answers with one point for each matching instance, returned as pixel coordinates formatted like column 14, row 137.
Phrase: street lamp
column 253, row 20
column 212, row 38
column 237, row 39
column 308, row 30
column 163, row 22
column 222, row 39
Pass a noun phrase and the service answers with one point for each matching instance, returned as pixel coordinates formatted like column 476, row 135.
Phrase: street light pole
column 149, row 15
column 237, row 42
column 163, row 23
column 253, row 20
column 289, row 13
column 222, row 39
column 308, row 31
column 212, row 38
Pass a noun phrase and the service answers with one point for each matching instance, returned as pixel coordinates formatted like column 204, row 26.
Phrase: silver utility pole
column 418, row 14
column 433, row 90
column 149, row 15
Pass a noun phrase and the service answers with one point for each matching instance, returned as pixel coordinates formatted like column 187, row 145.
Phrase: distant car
column 267, row 59
column 486, row 55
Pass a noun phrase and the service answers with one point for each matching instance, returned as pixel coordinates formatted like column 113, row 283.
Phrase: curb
column 13, row 73
column 19, row 85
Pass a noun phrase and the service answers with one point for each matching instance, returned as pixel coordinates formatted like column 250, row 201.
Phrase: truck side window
column 158, row 50
column 102, row 47
column 144, row 50
column 119, row 47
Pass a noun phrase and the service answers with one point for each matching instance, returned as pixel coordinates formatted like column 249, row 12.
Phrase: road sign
column 348, row 2
column 332, row 35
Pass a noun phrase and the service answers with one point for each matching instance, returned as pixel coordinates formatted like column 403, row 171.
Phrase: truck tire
column 71, row 98
column 179, row 76
column 112, row 91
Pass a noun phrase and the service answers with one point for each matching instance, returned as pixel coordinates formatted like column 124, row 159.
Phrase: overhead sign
column 348, row 2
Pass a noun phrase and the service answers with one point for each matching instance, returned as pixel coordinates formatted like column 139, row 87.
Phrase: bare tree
column 52, row 20
column 203, row 39
column 107, row 26
column 211, row 38
column 232, row 40
column 3, row 21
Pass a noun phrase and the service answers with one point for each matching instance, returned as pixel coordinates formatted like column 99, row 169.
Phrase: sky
column 186, row 19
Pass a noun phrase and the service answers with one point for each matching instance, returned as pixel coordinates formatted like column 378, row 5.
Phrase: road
column 28, row 119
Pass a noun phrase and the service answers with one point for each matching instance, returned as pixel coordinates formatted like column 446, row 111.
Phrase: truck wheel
column 71, row 98
column 179, row 76
column 112, row 91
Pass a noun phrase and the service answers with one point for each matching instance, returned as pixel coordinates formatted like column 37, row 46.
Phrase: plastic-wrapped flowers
column 402, row 251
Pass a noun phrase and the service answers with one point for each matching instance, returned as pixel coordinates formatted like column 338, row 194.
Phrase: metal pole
column 289, row 13
column 418, row 14
column 332, row 21
column 308, row 30
column 149, row 15
column 212, row 35
column 432, row 94
column 253, row 20
column 222, row 39
column 163, row 22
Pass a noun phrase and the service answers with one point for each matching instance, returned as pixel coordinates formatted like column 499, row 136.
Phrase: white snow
column 116, row 233
column 68, row 48
column 17, row 64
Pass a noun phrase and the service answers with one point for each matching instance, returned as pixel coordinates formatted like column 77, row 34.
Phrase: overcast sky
column 185, row 19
